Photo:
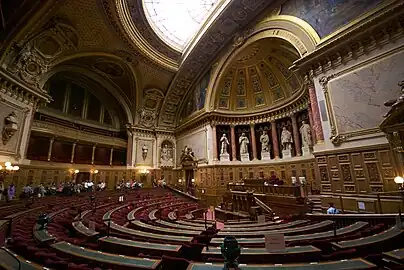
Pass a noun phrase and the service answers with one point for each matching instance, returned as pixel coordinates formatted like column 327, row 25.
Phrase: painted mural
column 327, row 16
column 196, row 99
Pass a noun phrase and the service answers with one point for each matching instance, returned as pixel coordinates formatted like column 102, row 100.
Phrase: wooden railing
column 282, row 190
column 263, row 205
column 183, row 193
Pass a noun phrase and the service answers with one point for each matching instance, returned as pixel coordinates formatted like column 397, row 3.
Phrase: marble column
column 253, row 141
column 275, row 143
column 111, row 154
column 73, row 151
column 129, row 151
column 233, row 142
column 317, row 126
column 311, row 123
column 214, row 142
column 50, row 148
column 296, row 138
column 93, row 154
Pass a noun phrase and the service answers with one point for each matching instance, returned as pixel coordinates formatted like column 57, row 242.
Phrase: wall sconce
column 193, row 180
column 144, row 172
column 203, row 191
column 93, row 171
column 180, row 180
column 76, row 171
column 8, row 168
column 399, row 181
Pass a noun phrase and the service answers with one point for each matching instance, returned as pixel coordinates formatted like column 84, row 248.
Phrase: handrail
column 264, row 206
column 12, row 255
column 183, row 193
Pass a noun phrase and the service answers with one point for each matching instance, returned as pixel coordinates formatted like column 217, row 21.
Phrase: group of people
column 41, row 190
column 7, row 192
column 127, row 185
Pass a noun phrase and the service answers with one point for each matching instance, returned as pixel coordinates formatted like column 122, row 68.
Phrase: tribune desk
column 289, row 254
column 352, row 264
column 106, row 258
column 397, row 255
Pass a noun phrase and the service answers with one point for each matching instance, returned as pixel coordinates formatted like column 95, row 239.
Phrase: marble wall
column 358, row 95
column 197, row 140
column 327, row 16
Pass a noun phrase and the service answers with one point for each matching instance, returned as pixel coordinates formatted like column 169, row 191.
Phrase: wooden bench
column 106, row 258
column 84, row 230
column 397, row 254
column 310, row 228
column 352, row 264
column 199, row 225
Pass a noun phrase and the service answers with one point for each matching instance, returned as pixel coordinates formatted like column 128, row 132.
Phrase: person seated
column 90, row 185
column 332, row 210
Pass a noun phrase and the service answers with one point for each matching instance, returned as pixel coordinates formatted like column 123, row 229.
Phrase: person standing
column 11, row 192
column 1, row 190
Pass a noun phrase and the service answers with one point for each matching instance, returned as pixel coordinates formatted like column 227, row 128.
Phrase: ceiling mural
column 258, row 78
column 327, row 16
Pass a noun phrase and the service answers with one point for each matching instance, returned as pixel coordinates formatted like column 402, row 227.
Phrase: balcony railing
column 282, row 190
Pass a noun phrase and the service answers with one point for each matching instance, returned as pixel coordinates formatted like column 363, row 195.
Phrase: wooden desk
column 148, row 227
column 397, row 254
column 270, row 225
column 147, row 235
column 290, row 238
column 8, row 262
column 42, row 235
column 304, row 253
column 310, row 228
column 181, row 226
column 152, row 214
column 131, row 244
column 352, row 264
column 84, row 230
column 370, row 240
column 107, row 258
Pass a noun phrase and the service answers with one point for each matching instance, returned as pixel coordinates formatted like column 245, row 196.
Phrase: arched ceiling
column 258, row 78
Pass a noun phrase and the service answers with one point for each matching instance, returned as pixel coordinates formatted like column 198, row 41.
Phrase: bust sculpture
column 10, row 127
column 144, row 152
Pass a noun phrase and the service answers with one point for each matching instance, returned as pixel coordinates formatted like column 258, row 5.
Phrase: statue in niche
column 10, row 127
column 286, row 139
column 243, row 141
column 224, row 143
column 264, row 139
column 144, row 152
column 305, row 130
column 166, row 153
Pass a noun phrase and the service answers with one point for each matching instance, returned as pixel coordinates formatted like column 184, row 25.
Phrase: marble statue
column 286, row 139
column 144, row 152
column 224, row 143
column 10, row 127
column 264, row 139
column 243, row 141
column 305, row 130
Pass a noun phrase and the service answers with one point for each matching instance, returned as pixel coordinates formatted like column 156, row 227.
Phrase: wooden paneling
column 356, row 171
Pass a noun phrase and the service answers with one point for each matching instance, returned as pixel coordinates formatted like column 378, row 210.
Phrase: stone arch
column 293, row 30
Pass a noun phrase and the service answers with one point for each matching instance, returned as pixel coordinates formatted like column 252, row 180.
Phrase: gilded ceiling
column 258, row 78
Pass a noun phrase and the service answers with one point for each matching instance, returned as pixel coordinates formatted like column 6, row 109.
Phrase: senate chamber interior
column 201, row 134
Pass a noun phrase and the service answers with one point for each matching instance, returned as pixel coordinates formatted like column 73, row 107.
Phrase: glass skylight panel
column 177, row 21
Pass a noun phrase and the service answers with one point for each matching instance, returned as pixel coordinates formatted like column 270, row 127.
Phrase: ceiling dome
column 258, row 78
column 176, row 22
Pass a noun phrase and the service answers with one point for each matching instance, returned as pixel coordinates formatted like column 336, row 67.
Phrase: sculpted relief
column 10, row 127
column 167, row 154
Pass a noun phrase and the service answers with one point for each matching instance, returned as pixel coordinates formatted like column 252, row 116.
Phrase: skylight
column 177, row 21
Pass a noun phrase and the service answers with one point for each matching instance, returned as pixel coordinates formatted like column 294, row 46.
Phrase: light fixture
column 8, row 168
column 7, row 164
column 193, row 180
column 180, row 180
column 76, row 171
column 16, row 168
column 96, row 171
column 398, row 180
